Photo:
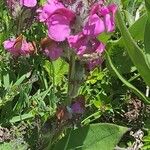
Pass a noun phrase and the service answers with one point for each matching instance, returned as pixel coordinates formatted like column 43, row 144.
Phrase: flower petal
column 100, row 48
column 25, row 49
column 78, row 42
column 28, row 3
column 94, row 26
column 109, row 23
column 58, row 27
column 70, row 15
column 8, row 44
column 48, row 9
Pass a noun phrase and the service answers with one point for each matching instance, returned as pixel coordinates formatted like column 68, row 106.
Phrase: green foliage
column 134, row 89
column 146, row 141
column 32, row 87
column 57, row 69
column 18, row 144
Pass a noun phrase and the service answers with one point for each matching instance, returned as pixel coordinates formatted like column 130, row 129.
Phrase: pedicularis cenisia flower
column 78, row 22
column 75, row 24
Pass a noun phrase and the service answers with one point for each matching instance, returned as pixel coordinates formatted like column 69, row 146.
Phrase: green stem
column 136, row 54
column 76, row 75
column 71, row 78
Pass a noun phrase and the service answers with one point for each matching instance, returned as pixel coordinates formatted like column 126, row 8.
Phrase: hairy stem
column 71, row 78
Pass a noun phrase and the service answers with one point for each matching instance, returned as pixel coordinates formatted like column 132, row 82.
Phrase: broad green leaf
column 147, row 41
column 100, row 136
column 129, row 85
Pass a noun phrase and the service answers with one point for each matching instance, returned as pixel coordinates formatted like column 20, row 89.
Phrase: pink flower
column 57, row 18
column 51, row 48
column 84, row 44
column 94, row 26
column 101, row 19
column 18, row 46
column 28, row 3
column 48, row 9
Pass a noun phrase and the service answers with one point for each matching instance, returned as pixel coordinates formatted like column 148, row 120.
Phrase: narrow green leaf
column 22, row 117
column 22, row 78
column 6, row 81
